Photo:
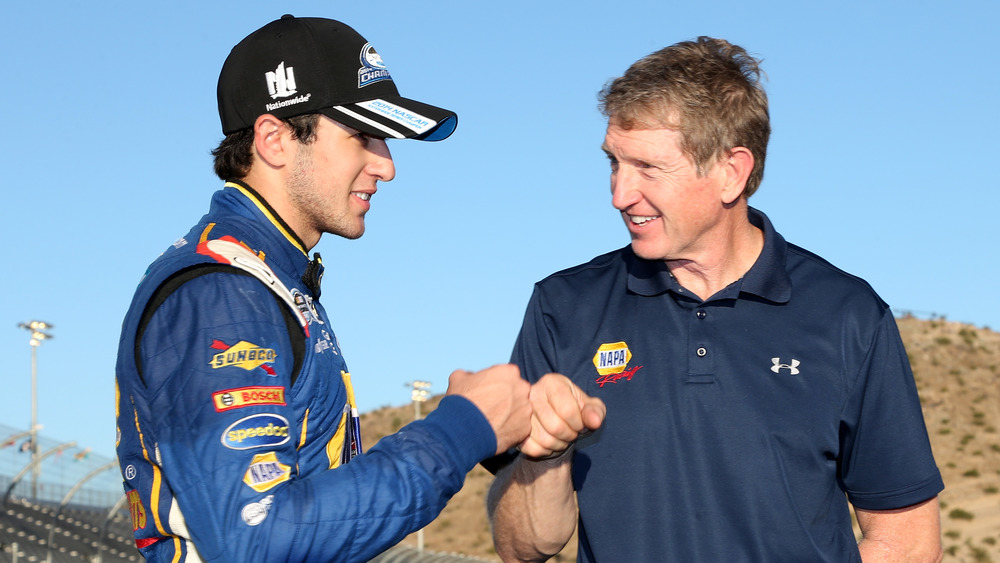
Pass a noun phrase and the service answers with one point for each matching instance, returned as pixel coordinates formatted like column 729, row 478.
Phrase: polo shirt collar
column 767, row 278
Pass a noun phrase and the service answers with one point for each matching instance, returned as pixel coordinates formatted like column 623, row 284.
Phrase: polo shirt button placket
column 700, row 313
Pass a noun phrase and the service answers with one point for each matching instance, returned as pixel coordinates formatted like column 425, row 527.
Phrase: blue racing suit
column 236, row 417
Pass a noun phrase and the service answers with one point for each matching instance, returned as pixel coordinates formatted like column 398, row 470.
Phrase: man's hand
column 561, row 412
column 502, row 396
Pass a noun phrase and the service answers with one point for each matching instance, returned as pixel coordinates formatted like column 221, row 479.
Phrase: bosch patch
column 229, row 399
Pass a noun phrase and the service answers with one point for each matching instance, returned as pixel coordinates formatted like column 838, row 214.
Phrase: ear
column 271, row 138
column 736, row 167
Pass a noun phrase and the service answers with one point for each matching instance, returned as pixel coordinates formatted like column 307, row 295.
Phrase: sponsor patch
column 616, row 377
column 256, row 431
column 412, row 120
column 266, row 471
column 281, row 81
column 255, row 512
column 373, row 68
column 244, row 355
column 325, row 342
column 229, row 399
column 137, row 510
column 612, row 358
column 611, row 361
column 306, row 306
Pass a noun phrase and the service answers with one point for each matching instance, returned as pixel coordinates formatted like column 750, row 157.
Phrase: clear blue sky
column 882, row 160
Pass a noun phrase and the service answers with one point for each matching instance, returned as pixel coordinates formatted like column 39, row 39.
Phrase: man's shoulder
column 190, row 250
column 182, row 254
column 568, row 291
column 813, row 276
column 607, row 266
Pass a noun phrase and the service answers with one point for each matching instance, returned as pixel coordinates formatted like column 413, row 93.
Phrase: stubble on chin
column 318, row 211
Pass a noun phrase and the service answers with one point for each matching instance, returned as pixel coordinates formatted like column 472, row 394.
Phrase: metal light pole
column 37, row 329
column 419, row 394
column 421, row 390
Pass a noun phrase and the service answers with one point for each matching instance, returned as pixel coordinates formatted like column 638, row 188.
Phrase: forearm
column 532, row 508
column 876, row 551
column 910, row 534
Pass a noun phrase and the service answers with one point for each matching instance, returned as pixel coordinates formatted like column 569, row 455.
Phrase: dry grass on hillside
column 957, row 370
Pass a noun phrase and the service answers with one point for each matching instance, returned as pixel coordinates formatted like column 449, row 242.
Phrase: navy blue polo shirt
column 737, row 427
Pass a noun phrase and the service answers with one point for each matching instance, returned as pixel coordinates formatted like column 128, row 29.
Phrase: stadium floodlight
column 419, row 394
column 38, row 334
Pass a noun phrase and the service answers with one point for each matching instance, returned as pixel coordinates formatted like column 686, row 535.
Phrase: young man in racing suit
column 238, row 436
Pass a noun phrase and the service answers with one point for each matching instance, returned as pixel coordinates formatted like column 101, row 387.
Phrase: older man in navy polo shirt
column 725, row 395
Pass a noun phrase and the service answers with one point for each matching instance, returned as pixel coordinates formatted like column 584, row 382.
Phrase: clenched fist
column 502, row 396
column 561, row 412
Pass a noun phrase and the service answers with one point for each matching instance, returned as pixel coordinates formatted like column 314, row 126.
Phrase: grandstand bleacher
column 68, row 511
column 42, row 532
column 71, row 511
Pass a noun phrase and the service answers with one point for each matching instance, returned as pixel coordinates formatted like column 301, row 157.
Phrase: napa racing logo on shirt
column 256, row 431
column 265, row 472
column 611, row 361
column 244, row 355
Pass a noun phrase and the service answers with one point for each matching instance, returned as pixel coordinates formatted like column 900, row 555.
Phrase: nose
column 381, row 165
column 623, row 192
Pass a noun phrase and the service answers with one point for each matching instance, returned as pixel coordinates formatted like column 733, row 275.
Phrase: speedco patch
column 256, row 431
column 228, row 399
column 266, row 471
column 244, row 355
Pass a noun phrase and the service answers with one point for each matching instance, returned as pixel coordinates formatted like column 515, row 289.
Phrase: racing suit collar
column 272, row 216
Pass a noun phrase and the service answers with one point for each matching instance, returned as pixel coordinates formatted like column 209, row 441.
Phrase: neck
column 269, row 185
column 730, row 260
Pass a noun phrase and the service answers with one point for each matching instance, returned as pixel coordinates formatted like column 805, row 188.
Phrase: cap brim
column 395, row 117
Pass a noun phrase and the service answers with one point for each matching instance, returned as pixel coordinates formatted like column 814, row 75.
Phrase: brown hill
column 957, row 370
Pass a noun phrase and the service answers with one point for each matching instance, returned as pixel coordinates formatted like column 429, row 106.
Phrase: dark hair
column 234, row 155
column 708, row 89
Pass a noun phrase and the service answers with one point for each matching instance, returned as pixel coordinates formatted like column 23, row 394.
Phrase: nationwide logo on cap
column 280, row 81
column 281, row 84
column 244, row 355
column 265, row 472
column 372, row 69
column 228, row 399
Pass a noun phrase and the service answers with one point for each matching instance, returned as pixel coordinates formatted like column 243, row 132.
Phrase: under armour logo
column 793, row 367
column 281, row 81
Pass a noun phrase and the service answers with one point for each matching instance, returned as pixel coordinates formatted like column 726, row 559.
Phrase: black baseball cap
column 294, row 66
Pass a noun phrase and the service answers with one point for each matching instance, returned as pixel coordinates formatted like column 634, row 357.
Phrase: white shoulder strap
column 241, row 257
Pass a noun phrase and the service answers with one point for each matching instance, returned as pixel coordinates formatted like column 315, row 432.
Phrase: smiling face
column 333, row 178
column 670, row 211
